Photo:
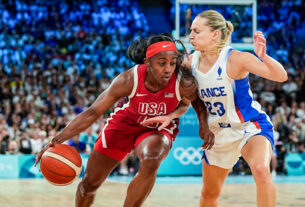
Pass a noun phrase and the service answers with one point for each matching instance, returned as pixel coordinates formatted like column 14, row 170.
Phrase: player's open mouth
column 166, row 78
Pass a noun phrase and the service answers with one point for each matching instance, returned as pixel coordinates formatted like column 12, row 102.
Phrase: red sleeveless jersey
column 123, row 127
column 144, row 104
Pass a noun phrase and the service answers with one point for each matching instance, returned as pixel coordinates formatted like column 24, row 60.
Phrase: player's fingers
column 261, row 39
column 205, row 143
column 256, row 34
column 150, row 121
column 211, row 142
column 37, row 159
column 208, row 143
column 163, row 125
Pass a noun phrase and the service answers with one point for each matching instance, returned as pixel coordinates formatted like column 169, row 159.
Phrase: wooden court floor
column 39, row 193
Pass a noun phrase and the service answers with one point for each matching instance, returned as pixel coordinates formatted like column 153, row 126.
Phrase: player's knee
column 210, row 194
column 261, row 173
column 87, row 188
column 150, row 165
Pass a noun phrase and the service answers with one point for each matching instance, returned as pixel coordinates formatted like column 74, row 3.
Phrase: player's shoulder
column 187, row 62
column 126, row 78
column 128, row 74
column 239, row 57
column 187, row 80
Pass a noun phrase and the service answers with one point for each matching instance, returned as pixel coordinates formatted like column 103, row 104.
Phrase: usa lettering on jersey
column 152, row 108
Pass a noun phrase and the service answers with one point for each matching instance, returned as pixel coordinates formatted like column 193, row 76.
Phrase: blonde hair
column 216, row 21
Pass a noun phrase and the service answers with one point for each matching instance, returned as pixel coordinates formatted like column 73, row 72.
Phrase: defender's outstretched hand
column 163, row 120
column 260, row 44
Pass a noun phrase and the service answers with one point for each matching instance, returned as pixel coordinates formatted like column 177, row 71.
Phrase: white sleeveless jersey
column 229, row 102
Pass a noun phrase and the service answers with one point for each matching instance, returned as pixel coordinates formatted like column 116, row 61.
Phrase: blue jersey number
column 220, row 110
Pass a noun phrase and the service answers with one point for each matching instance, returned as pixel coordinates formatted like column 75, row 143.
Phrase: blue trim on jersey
column 266, row 127
column 243, row 100
column 228, row 53
column 205, row 157
column 245, row 104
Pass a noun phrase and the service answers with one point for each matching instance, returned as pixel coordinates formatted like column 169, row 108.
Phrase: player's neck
column 209, row 57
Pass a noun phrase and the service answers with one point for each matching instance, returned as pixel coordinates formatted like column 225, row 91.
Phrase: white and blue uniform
column 234, row 116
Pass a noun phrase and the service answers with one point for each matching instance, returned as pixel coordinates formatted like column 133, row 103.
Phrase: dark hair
column 137, row 49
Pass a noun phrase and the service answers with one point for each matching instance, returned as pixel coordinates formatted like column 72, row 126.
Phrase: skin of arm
column 85, row 119
column 242, row 63
column 188, row 93
column 204, row 132
column 104, row 101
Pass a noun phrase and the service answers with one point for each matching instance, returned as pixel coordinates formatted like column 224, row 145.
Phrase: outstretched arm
column 241, row 63
column 85, row 119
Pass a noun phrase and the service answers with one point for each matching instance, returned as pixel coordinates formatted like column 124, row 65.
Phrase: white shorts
column 229, row 142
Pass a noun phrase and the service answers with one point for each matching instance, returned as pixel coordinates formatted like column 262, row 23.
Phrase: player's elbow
column 283, row 77
column 93, row 113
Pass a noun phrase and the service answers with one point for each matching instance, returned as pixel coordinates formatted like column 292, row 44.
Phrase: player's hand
column 260, row 44
column 163, row 120
column 208, row 136
column 39, row 155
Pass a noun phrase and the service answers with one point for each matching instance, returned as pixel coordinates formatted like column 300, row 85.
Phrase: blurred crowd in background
column 57, row 56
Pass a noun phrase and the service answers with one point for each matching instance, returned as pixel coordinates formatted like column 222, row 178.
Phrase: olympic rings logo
column 188, row 155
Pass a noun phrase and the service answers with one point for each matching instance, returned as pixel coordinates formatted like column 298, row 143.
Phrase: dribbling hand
column 260, row 44
column 39, row 155
column 208, row 136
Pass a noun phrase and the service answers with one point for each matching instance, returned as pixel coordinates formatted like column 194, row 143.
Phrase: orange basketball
column 61, row 164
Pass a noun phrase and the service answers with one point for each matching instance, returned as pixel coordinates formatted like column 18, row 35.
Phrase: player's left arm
column 188, row 93
column 242, row 63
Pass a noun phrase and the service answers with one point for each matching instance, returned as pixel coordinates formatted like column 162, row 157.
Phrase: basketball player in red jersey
column 153, row 87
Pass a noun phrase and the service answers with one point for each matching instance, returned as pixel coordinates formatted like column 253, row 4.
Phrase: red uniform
column 123, row 131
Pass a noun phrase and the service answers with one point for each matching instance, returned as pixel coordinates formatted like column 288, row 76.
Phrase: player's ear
column 147, row 61
column 216, row 35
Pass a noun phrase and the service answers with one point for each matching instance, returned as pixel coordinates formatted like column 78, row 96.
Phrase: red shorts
column 118, row 139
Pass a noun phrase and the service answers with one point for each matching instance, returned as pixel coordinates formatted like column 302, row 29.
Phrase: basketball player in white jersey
column 240, row 127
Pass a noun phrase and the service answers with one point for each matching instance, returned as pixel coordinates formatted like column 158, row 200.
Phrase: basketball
column 61, row 164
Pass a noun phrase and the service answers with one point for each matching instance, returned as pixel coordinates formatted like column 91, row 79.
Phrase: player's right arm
column 121, row 86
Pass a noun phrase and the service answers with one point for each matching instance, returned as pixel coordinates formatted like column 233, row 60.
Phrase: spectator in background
column 37, row 142
column 299, row 128
column 25, row 144
column 188, row 20
column 290, row 87
column 88, row 137
column 12, row 147
column 4, row 140
column 79, row 145
column 293, row 141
